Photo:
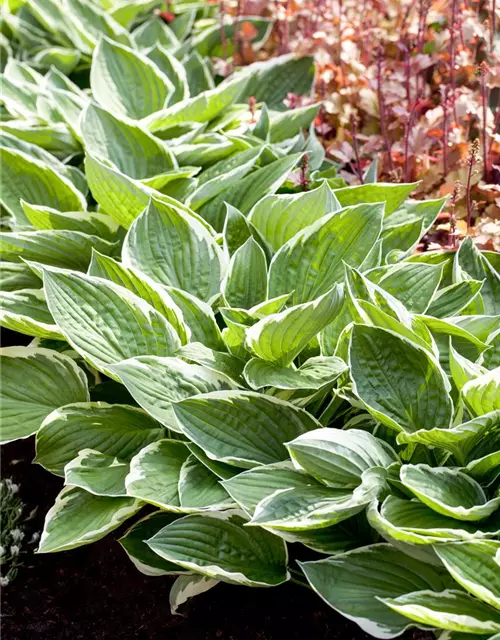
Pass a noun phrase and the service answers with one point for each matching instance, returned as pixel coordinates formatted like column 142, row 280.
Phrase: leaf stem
column 299, row 578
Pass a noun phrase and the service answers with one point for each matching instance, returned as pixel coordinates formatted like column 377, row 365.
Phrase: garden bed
column 248, row 368
column 96, row 592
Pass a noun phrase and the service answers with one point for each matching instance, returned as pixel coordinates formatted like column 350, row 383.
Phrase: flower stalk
column 382, row 113
column 355, row 146
column 471, row 161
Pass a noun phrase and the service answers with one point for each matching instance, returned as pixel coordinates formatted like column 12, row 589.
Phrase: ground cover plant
column 231, row 347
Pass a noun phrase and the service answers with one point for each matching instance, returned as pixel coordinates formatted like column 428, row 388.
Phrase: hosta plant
column 236, row 352
column 293, row 382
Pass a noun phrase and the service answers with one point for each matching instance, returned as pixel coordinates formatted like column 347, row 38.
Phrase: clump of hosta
column 14, row 539
column 296, row 380
column 267, row 366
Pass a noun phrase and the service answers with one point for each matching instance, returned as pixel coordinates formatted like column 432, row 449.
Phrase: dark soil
column 95, row 593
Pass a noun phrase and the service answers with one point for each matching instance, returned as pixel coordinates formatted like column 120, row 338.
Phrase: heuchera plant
column 258, row 361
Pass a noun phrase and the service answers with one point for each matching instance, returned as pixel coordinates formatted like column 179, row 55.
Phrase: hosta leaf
column 93, row 24
column 59, row 248
column 452, row 610
column 216, row 360
column 339, row 458
column 209, row 189
column 252, row 557
column 373, row 316
column 485, row 469
column 414, row 523
column 248, row 191
column 54, row 79
column 144, row 559
column 31, row 180
column 302, row 265
column 422, row 214
column 237, row 229
column 26, row 311
column 19, row 99
column 491, row 358
column 261, row 128
column 187, row 587
column 52, row 16
column 398, row 382
column 154, row 473
column 127, row 146
column 445, row 332
column 451, row 300
column 392, row 194
column 413, row 284
column 174, row 71
column 280, row 337
column 78, row 518
column 313, row 374
column 73, row 175
column 245, row 284
column 88, row 222
column 463, row 370
column 234, row 334
column 482, row 394
column 141, row 285
column 128, row 12
column 480, row 326
column 401, row 240
column 280, row 217
column 35, row 382
column 15, row 276
column 113, row 430
column 291, row 123
column 251, row 487
column 476, row 266
column 241, row 428
column 266, row 308
column 448, row 491
column 305, row 508
column 54, row 137
column 353, row 582
column 119, row 196
column 63, row 59
column 178, row 176
column 200, row 489
column 202, row 108
column 271, row 81
column 127, row 83
column 473, row 566
column 21, row 72
column 241, row 155
column 104, row 322
column 459, row 440
column 199, row 318
column 198, row 74
column 220, row 469
column 154, row 32
column 207, row 150
column 174, row 249
column 97, row 473
column 155, row 383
